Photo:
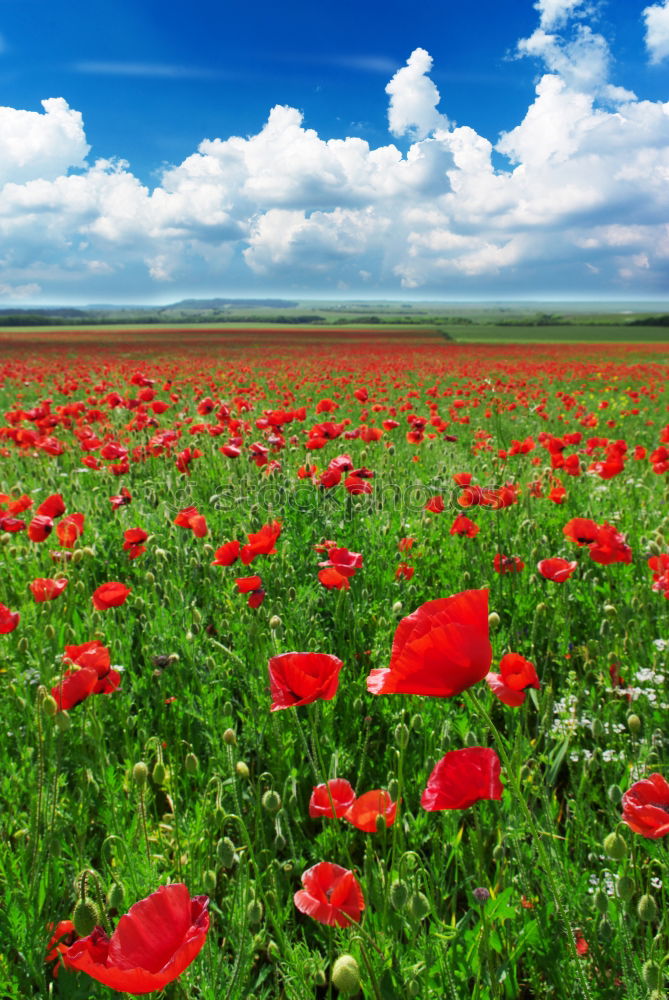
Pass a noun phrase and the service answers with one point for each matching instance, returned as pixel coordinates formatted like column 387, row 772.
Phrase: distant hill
column 196, row 304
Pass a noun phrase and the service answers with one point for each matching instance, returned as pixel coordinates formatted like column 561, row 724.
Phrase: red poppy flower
column 47, row 590
column 63, row 936
column 582, row 530
column 337, row 792
column 70, row 529
column 440, row 650
column 133, row 539
column 110, row 595
column 300, row 678
column 405, row 544
column 74, row 687
column 365, row 811
column 333, row 579
column 556, row 569
column 516, row 674
column 404, row 571
column 463, row 526
column 262, row 543
column 40, row 528
column 462, row 778
column 247, row 584
column 154, row 942
column 122, row 499
column 435, row 505
column 610, row 546
column 331, row 895
column 93, row 655
column 227, row 554
column 507, row 564
column 646, row 807
column 8, row 620
column 53, row 506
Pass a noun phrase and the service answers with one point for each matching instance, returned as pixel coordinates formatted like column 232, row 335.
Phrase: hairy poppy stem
column 536, row 835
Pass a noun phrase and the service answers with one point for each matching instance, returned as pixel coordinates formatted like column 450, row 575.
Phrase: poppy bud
column 320, row 979
column 601, row 901
column 346, row 975
column 242, row 769
column 271, row 801
column 540, row 608
column 651, row 973
column 625, row 888
column 230, row 737
column 272, row 951
column 633, row 724
column 615, row 846
column 159, row 773
column 63, row 721
column 393, row 789
column 397, row 607
column 466, row 577
column 413, row 988
column 647, row 908
column 49, row 706
column 380, row 823
column 22, row 645
column 5, row 538
column 358, row 705
column 399, row 894
column 275, row 623
column 140, row 773
column 209, row 882
column 225, row 852
column 197, row 615
column 49, row 632
column 85, row 917
column 115, row 896
column 614, row 793
column 402, row 736
column 498, row 853
column 149, row 578
column 493, row 619
column 191, row 763
column 419, row 905
column 610, row 610
column 605, row 930
column 254, row 912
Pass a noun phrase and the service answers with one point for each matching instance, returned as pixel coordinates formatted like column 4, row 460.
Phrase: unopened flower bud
column 49, row 706
column 397, row 608
column 605, row 930
column 399, row 895
column 615, row 846
column 242, row 769
column 115, row 896
column 633, row 724
column 647, row 908
column 159, row 773
column 49, row 631
column 401, row 736
column 419, row 905
column 271, row 801
column 493, row 619
column 140, row 773
column 614, row 793
column 625, row 888
column 230, row 737
column 209, row 882
column 85, row 917
column 651, row 973
column 225, row 852
column 610, row 610
column 191, row 763
column 393, row 789
column 254, row 912
column 275, row 623
column 346, row 975
column 601, row 901
column 380, row 823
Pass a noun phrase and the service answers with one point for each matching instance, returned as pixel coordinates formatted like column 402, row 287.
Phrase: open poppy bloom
column 516, row 674
column 337, row 792
column 440, row 650
column 251, row 585
column 262, row 543
column 154, row 942
column 110, row 595
column 646, row 807
column 227, row 554
column 40, row 528
column 365, row 811
column 556, row 569
column 8, row 620
column 507, row 564
column 122, row 499
column 462, row 778
column 53, row 506
column 133, row 542
column 70, row 529
column 463, row 526
column 582, row 530
column 331, row 895
column 47, row 590
column 300, row 678
column 62, row 938
column 435, row 505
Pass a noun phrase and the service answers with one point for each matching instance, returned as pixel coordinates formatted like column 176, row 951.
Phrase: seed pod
column 271, row 801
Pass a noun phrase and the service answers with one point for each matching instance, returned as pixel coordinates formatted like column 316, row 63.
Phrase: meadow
column 446, row 790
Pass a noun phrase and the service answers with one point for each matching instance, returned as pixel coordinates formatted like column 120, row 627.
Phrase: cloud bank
column 573, row 200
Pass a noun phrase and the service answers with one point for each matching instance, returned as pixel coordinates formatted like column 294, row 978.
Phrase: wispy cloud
column 164, row 71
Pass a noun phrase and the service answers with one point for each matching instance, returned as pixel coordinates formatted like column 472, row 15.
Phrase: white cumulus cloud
column 414, row 98
column 657, row 31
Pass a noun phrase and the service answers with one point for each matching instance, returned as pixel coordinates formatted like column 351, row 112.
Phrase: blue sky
column 416, row 150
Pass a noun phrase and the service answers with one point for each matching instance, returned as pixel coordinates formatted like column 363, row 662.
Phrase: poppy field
column 332, row 664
